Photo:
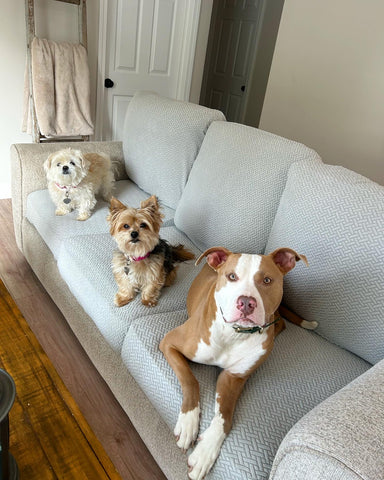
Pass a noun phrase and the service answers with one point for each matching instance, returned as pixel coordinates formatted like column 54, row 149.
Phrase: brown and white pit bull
column 232, row 323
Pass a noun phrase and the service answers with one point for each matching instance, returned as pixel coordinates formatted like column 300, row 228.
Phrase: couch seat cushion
column 85, row 265
column 303, row 370
column 336, row 218
column 55, row 229
column 162, row 138
column 235, row 185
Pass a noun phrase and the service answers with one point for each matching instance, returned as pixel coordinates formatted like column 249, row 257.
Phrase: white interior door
column 144, row 45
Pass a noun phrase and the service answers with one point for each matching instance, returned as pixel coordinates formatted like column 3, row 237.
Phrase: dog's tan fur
column 208, row 337
column 136, row 232
column 87, row 175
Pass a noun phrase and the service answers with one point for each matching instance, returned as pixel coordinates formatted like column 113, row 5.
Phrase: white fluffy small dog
column 74, row 178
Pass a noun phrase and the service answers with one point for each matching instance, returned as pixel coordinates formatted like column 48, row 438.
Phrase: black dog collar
column 256, row 328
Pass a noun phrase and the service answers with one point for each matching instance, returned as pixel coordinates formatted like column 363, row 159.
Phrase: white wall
column 12, row 54
column 326, row 86
column 54, row 20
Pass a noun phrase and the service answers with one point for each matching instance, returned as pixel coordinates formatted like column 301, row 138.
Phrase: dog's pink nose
column 246, row 305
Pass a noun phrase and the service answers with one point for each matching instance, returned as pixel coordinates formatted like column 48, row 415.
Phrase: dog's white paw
column 187, row 428
column 207, row 450
column 83, row 216
column 61, row 211
column 309, row 325
column 149, row 302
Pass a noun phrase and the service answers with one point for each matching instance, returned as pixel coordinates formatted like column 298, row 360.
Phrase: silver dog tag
column 67, row 199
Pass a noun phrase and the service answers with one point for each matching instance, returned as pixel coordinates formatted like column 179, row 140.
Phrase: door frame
column 187, row 58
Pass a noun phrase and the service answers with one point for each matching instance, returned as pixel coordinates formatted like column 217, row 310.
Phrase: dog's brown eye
column 59, row 164
column 126, row 226
column 232, row 277
column 143, row 225
column 72, row 163
column 267, row 280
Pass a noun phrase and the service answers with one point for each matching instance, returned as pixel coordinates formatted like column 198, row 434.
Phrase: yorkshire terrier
column 144, row 261
column 74, row 178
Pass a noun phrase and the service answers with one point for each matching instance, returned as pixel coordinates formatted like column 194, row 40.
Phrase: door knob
column 108, row 83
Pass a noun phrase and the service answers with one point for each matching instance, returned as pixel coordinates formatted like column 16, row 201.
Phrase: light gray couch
column 315, row 409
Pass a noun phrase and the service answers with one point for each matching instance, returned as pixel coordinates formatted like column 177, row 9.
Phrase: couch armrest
column 28, row 174
column 340, row 439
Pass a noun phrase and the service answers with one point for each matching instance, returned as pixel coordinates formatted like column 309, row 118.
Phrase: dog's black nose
column 134, row 234
column 65, row 168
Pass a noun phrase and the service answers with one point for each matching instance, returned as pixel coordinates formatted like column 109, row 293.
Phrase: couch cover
column 72, row 260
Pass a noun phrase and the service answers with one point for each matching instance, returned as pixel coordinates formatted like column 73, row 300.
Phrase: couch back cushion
column 336, row 218
column 162, row 138
column 235, row 185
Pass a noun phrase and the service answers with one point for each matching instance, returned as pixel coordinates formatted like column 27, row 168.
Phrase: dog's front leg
column 63, row 209
column 228, row 390
column 87, row 203
column 125, row 294
column 150, row 295
column 187, row 426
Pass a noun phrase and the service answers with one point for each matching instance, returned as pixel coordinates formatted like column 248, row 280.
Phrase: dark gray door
column 231, row 50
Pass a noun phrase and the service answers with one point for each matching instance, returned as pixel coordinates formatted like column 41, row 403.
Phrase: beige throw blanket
column 61, row 89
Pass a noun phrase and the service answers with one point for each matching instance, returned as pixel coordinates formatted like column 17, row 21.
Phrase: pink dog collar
column 65, row 187
column 138, row 259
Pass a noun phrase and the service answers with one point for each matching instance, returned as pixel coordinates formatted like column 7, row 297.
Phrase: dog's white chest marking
column 235, row 352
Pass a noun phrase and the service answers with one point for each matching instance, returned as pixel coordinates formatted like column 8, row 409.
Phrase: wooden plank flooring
column 111, row 426
column 49, row 436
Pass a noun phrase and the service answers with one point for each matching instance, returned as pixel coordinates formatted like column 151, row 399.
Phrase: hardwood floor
column 111, row 426
column 49, row 437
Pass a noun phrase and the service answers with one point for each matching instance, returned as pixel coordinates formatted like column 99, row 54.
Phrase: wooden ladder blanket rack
column 37, row 137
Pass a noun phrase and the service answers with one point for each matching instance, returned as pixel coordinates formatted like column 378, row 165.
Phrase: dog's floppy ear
column 286, row 258
column 48, row 162
column 216, row 256
column 84, row 162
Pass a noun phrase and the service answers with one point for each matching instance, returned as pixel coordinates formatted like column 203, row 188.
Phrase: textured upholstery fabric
column 56, row 229
column 85, row 265
column 234, row 187
column 343, row 435
column 161, row 140
column 303, row 370
column 310, row 465
column 28, row 173
column 335, row 217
